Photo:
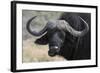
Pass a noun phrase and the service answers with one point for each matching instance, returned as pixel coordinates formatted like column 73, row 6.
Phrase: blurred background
column 31, row 51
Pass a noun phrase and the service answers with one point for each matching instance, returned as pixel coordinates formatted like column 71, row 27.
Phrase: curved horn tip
column 34, row 32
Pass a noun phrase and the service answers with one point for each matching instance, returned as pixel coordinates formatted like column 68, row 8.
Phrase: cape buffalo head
column 55, row 34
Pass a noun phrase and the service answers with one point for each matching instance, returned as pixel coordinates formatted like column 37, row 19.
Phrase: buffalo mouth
column 53, row 52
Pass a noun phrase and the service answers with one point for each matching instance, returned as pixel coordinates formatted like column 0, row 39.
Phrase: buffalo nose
column 53, row 51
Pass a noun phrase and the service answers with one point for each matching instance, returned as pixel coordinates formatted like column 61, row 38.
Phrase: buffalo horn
column 75, row 32
column 34, row 32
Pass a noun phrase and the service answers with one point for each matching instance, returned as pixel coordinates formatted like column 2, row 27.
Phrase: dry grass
column 37, row 53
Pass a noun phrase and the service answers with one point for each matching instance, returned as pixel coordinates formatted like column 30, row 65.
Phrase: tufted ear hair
column 42, row 40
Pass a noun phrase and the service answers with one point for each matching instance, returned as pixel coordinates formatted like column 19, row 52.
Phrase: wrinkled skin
column 55, row 38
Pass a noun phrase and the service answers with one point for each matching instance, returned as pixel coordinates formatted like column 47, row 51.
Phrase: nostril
column 56, row 49
column 53, row 47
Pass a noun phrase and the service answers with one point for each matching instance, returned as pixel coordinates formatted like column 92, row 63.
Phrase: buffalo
column 68, row 36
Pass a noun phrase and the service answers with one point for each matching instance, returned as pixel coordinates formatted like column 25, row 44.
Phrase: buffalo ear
column 42, row 40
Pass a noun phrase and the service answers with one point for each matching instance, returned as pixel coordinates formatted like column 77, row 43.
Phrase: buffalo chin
column 52, row 54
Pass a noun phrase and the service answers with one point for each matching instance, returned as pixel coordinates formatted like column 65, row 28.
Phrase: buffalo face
column 55, row 40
